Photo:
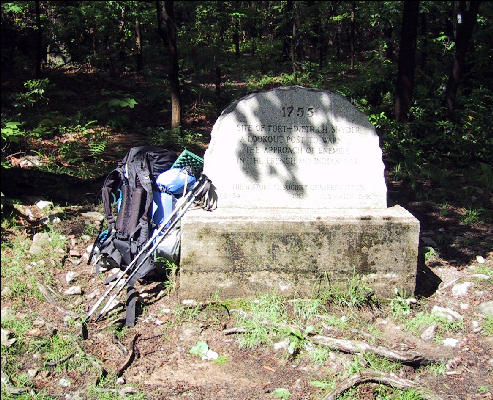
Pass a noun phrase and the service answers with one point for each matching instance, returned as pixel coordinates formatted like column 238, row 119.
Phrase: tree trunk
column 39, row 41
column 165, row 15
column 407, row 50
column 138, row 45
column 236, row 37
column 353, row 35
column 466, row 20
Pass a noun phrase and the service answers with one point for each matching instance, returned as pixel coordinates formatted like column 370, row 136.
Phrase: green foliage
column 33, row 94
column 399, row 306
column 266, row 314
column 470, row 217
column 281, row 393
column 487, row 325
column 12, row 132
column 422, row 320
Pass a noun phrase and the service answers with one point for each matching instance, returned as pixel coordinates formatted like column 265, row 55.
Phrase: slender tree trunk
column 39, row 41
column 353, row 35
column 236, row 37
column 465, row 20
column 138, row 45
column 294, row 41
column 165, row 14
column 407, row 50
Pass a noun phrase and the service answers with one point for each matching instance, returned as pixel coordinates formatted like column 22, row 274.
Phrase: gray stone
column 39, row 243
column 70, row 276
column 42, row 204
column 73, row 290
column 240, row 254
column 447, row 313
column 461, row 289
column 294, row 147
column 65, row 382
column 301, row 200
column 486, row 308
column 6, row 338
column 429, row 333
column 93, row 215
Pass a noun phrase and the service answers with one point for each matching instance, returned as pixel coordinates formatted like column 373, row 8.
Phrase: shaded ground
column 162, row 366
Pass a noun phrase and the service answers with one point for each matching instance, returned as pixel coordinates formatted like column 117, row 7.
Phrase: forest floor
column 163, row 356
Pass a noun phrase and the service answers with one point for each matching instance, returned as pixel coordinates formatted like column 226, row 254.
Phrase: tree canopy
column 420, row 70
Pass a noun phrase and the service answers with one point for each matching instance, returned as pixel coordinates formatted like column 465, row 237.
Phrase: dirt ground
column 155, row 358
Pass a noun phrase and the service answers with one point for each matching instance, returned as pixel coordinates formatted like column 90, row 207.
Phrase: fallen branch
column 381, row 378
column 45, row 291
column 130, row 357
column 61, row 361
column 356, row 346
column 232, row 331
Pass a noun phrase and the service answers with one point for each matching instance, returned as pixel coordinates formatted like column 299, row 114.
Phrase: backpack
column 143, row 189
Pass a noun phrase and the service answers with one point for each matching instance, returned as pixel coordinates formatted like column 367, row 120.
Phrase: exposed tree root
column 130, row 357
column 356, row 346
column 381, row 378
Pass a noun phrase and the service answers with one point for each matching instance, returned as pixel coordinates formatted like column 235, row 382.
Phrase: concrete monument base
column 243, row 252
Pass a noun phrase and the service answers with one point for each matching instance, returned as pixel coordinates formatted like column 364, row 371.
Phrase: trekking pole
column 202, row 183
column 183, row 209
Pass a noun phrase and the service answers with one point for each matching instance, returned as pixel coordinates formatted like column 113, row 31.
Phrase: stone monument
column 301, row 199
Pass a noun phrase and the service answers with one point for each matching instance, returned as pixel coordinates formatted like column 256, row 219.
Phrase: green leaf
column 281, row 393
column 200, row 349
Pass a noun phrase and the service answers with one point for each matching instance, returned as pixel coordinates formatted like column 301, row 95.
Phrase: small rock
column 75, row 261
column 464, row 306
column 5, row 378
column 166, row 310
column 70, row 276
column 210, row 355
column 190, row 303
column 42, row 204
column 64, row 382
column 93, row 294
column 480, row 259
column 486, row 308
column 6, row 338
column 36, row 332
column 451, row 315
column 39, row 242
column 120, row 380
column 282, row 345
column 429, row 333
column 74, row 253
column 32, row 372
column 73, row 290
column 93, row 215
column 450, row 342
column 6, row 292
column 51, row 219
column 89, row 249
column 461, row 289
column 39, row 323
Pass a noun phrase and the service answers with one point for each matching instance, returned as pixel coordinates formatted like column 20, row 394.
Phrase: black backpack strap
column 110, row 187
